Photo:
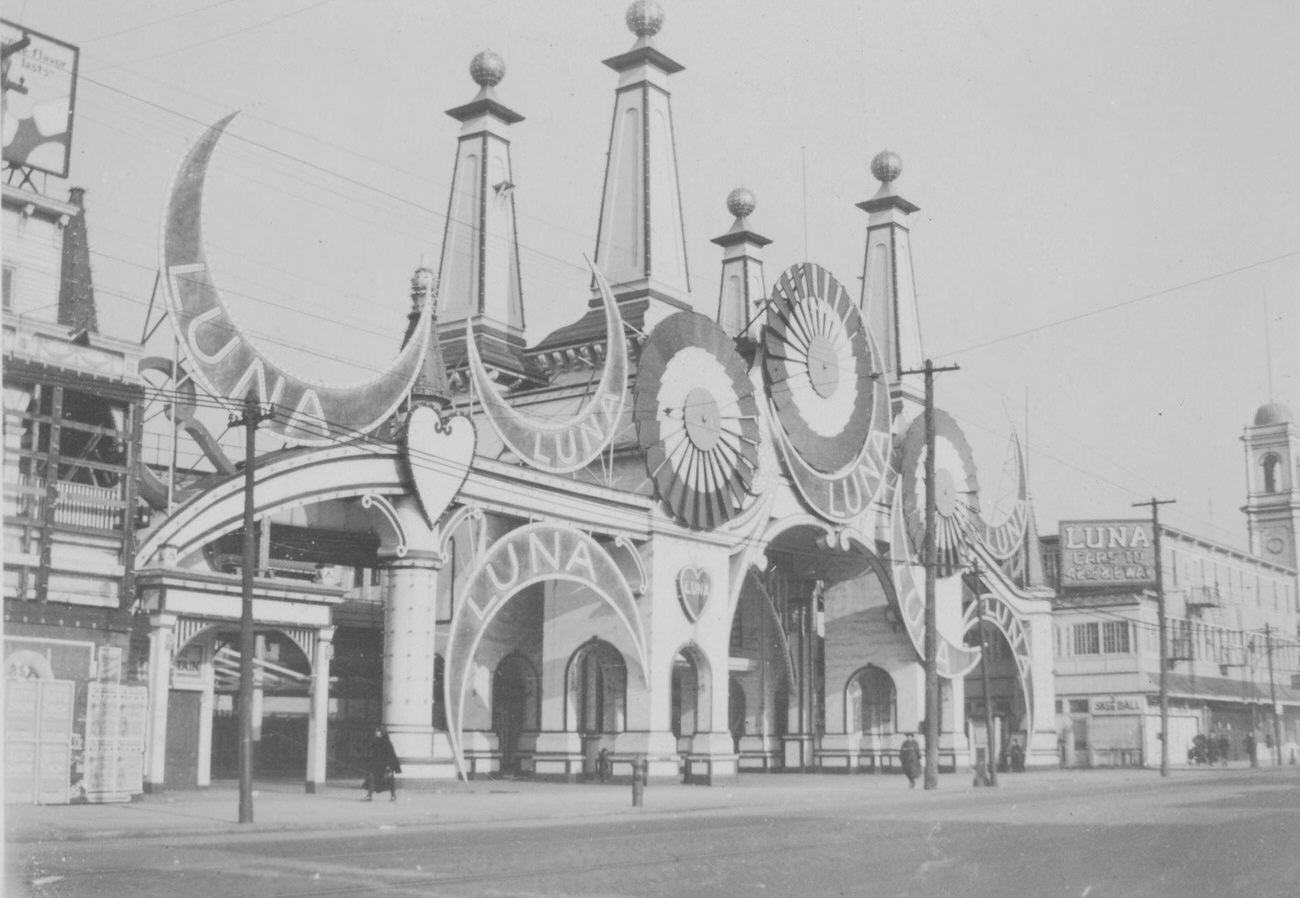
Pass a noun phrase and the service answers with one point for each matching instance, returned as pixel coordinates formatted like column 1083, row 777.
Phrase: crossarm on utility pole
column 933, row 706
column 253, row 415
column 1164, row 641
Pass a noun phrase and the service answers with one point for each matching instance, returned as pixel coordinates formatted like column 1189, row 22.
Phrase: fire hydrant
column 640, row 776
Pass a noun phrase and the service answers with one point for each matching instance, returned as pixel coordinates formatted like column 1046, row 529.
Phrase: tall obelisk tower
column 641, row 244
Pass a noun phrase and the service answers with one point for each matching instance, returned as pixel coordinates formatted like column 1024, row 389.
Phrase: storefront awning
column 1224, row 689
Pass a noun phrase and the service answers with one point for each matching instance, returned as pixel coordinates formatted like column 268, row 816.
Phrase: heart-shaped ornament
column 693, row 588
column 438, row 455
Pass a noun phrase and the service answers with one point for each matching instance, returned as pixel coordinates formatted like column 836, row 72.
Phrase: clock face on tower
column 956, row 489
column 818, row 368
column 696, row 420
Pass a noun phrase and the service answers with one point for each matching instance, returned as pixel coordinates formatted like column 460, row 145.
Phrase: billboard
column 1107, row 554
column 40, row 88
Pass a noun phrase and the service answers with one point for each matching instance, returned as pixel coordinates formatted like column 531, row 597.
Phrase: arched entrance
column 281, row 706
column 514, row 707
column 871, row 704
column 597, row 699
column 1006, row 694
column 691, row 702
column 736, row 711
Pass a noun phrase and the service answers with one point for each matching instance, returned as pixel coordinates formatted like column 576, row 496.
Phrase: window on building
column 1115, row 637
column 1269, row 463
column 1087, row 640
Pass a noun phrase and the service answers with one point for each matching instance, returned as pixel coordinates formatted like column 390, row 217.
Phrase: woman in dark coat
column 383, row 766
column 910, row 756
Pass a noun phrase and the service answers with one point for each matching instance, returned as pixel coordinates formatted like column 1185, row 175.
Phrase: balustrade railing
column 76, row 504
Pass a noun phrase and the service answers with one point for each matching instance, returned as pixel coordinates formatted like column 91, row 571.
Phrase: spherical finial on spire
column 741, row 202
column 423, row 280
column 887, row 166
column 645, row 18
column 487, row 69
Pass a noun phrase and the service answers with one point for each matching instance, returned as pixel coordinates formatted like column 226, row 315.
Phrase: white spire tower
column 742, row 269
column 479, row 271
column 888, row 287
column 641, row 244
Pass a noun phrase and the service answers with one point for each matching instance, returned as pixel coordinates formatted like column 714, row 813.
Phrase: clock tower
column 1273, row 484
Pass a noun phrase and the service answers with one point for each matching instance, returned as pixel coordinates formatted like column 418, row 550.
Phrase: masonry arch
column 596, row 690
column 526, row 556
column 515, row 697
column 871, row 703
column 690, row 695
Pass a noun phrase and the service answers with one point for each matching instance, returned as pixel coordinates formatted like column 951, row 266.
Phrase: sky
column 1108, row 241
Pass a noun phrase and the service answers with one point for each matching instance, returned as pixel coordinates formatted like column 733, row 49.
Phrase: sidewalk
column 284, row 806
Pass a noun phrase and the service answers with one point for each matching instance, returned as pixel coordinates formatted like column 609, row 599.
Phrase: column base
column 761, row 754
column 799, row 753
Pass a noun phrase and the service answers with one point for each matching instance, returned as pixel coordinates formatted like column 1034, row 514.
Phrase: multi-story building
column 72, row 406
column 1232, row 656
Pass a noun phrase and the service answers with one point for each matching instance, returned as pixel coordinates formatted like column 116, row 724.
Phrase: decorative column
column 162, row 641
column 478, row 277
column 318, row 717
column 742, row 286
column 207, row 706
column 410, row 612
column 888, row 286
column 640, row 241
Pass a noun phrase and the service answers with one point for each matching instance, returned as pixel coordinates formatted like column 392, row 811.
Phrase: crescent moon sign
column 228, row 366
column 953, row 659
column 559, row 447
column 1005, row 538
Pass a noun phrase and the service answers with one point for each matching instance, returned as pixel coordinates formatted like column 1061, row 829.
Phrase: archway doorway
column 1006, row 694
column 871, row 703
column 281, row 705
column 736, row 711
column 688, row 696
column 597, row 694
column 514, row 692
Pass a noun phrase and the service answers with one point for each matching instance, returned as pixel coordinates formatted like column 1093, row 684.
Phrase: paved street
column 1200, row 832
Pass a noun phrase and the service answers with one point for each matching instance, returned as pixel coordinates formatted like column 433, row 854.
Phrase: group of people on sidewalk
column 1216, row 748
column 909, row 756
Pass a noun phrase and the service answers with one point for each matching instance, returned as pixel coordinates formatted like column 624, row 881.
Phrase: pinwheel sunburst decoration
column 956, row 490
column 818, row 367
column 696, row 420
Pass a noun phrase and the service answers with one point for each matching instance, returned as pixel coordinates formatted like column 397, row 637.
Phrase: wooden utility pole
column 990, row 758
column 932, row 703
column 253, row 415
column 1272, row 697
column 1164, row 643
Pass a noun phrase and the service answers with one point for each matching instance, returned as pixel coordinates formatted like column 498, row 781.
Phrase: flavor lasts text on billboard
column 39, row 92
column 1101, row 554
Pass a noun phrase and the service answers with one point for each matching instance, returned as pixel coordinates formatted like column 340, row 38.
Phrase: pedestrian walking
column 1224, row 746
column 910, row 757
column 383, row 767
column 1250, row 749
column 1017, row 755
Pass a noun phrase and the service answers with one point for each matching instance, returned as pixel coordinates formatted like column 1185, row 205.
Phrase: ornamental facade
column 684, row 528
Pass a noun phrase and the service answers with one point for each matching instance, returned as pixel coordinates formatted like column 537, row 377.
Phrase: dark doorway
column 181, row 769
column 510, row 708
column 736, row 712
